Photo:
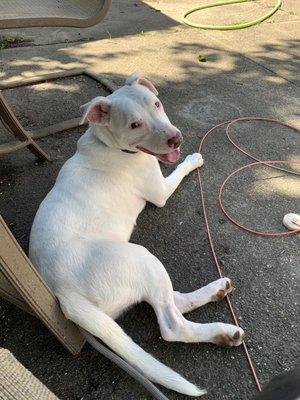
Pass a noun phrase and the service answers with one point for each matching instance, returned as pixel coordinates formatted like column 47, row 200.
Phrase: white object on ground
column 291, row 221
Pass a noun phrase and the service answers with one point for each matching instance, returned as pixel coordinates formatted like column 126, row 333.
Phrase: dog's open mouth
column 168, row 158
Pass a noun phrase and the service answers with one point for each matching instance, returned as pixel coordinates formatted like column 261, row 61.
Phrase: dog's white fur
column 79, row 239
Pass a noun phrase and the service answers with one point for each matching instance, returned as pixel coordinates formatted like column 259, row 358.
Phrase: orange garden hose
column 271, row 164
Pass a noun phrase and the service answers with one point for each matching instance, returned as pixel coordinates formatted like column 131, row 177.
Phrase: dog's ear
column 133, row 78
column 137, row 78
column 148, row 84
column 97, row 111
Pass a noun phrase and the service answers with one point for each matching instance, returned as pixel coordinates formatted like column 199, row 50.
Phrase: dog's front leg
column 170, row 183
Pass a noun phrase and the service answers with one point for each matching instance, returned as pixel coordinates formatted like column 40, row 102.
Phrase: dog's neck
column 107, row 138
column 89, row 141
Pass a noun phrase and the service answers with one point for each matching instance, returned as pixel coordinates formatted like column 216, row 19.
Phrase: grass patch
column 9, row 41
column 140, row 33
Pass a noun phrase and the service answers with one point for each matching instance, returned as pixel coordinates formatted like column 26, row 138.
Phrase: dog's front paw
column 193, row 161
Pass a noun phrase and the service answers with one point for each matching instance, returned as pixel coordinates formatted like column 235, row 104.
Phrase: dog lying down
column 80, row 236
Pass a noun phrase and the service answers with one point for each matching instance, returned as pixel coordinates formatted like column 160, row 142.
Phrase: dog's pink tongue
column 171, row 157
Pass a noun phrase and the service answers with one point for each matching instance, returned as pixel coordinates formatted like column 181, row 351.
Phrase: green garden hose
column 241, row 25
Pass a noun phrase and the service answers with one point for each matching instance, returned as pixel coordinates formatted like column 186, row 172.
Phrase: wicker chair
column 30, row 13
column 33, row 13
column 17, row 383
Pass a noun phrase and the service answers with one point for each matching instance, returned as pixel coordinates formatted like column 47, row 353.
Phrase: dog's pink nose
column 174, row 142
column 173, row 136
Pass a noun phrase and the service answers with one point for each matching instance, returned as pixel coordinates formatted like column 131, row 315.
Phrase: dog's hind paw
column 223, row 287
column 234, row 338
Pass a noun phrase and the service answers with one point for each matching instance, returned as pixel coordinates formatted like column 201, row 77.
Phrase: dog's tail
column 99, row 324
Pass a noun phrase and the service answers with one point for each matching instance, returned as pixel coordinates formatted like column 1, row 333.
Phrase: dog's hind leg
column 173, row 325
column 214, row 291
column 88, row 315
column 175, row 328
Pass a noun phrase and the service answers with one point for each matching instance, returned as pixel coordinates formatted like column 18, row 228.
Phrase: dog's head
column 133, row 118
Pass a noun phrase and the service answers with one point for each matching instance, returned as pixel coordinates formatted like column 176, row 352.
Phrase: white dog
column 80, row 236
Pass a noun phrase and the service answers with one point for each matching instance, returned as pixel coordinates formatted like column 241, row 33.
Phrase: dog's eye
column 135, row 125
column 157, row 104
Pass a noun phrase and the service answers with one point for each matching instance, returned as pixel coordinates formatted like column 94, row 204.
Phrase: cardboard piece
column 21, row 284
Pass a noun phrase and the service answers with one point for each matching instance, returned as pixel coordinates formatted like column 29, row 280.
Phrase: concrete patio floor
column 249, row 72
